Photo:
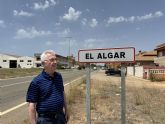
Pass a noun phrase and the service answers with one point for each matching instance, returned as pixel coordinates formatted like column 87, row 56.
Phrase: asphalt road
column 13, row 91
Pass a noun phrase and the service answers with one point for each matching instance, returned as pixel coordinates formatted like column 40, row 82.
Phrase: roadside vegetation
column 18, row 72
column 144, row 105
column 156, row 78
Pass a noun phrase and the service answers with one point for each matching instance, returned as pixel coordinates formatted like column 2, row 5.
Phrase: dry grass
column 17, row 72
column 144, row 105
column 151, row 103
column 101, row 103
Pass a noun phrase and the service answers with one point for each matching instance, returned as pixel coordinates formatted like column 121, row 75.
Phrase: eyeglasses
column 52, row 60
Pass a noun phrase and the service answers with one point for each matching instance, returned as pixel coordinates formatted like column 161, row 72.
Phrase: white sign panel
column 107, row 55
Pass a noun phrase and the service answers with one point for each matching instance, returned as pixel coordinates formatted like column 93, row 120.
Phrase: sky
column 66, row 26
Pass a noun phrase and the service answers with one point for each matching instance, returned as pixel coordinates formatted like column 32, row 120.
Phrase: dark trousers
column 57, row 119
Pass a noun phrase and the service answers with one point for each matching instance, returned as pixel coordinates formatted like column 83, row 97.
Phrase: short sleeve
column 61, row 82
column 32, row 93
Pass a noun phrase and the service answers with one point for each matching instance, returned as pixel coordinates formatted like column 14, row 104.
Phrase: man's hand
column 32, row 113
column 67, row 115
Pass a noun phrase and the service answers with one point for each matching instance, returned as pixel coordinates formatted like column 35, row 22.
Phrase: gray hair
column 44, row 56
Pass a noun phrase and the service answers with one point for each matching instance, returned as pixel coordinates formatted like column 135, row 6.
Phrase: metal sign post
column 109, row 55
column 88, row 95
column 123, row 98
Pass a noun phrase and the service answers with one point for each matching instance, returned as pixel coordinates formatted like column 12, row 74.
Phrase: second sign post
column 110, row 55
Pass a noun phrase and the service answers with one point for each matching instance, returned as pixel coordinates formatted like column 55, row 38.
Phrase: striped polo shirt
column 47, row 92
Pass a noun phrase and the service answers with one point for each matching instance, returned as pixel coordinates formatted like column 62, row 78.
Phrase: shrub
column 152, row 77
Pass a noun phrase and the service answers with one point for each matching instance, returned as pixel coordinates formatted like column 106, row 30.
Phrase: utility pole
column 88, row 94
column 123, row 97
column 69, row 37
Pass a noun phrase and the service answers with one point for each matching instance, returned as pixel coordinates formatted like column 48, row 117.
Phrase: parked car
column 94, row 68
column 118, row 72
column 110, row 71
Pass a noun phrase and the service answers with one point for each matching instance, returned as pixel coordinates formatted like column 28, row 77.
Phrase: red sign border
column 108, row 49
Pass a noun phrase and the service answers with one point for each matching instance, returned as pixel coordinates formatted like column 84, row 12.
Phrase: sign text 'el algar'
column 107, row 55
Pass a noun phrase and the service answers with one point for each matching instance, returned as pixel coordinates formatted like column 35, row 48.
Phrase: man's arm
column 32, row 113
column 66, row 108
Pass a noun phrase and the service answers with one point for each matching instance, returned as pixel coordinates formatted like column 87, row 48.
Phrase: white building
column 25, row 62
column 14, row 61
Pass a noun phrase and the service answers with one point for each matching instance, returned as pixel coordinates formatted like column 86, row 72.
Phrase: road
column 13, row 91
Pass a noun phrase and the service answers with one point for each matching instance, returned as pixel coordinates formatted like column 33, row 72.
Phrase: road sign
column 124, row 55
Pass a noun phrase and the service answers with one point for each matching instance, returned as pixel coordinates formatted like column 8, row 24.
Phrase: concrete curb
column 73, row 83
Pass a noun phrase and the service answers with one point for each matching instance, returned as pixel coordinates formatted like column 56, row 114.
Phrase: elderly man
column 45, row 95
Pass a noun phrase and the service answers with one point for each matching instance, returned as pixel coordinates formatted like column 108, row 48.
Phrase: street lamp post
column 69, row 51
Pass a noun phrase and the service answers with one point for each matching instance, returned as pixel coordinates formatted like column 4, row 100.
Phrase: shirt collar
column 46, row 75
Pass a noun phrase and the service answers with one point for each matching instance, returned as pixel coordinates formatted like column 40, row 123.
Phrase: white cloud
column 84, row 21
column 2, row 24
column 43, row 6
column 158, row 14
column 52, row 2
column 22, row 13
column 93, row 23
column 72, row 15
column 116, row 19
column 148, row 16
column 134, row 18
column 30, row 33
column 130, row 19
column 48, row 43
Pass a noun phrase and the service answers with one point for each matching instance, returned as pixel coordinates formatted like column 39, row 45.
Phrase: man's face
column 50, row 63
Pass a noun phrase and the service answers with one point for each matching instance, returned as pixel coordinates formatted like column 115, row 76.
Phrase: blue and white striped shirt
column 47, row 92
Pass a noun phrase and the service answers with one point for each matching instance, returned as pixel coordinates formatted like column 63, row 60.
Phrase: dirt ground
column 145, row 101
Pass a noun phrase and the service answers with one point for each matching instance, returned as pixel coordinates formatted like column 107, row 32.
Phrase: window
column 159, row 54
column 21, row 61
column 29, row 60
column 38, row 58
column 4, row 60
column 163, row 53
